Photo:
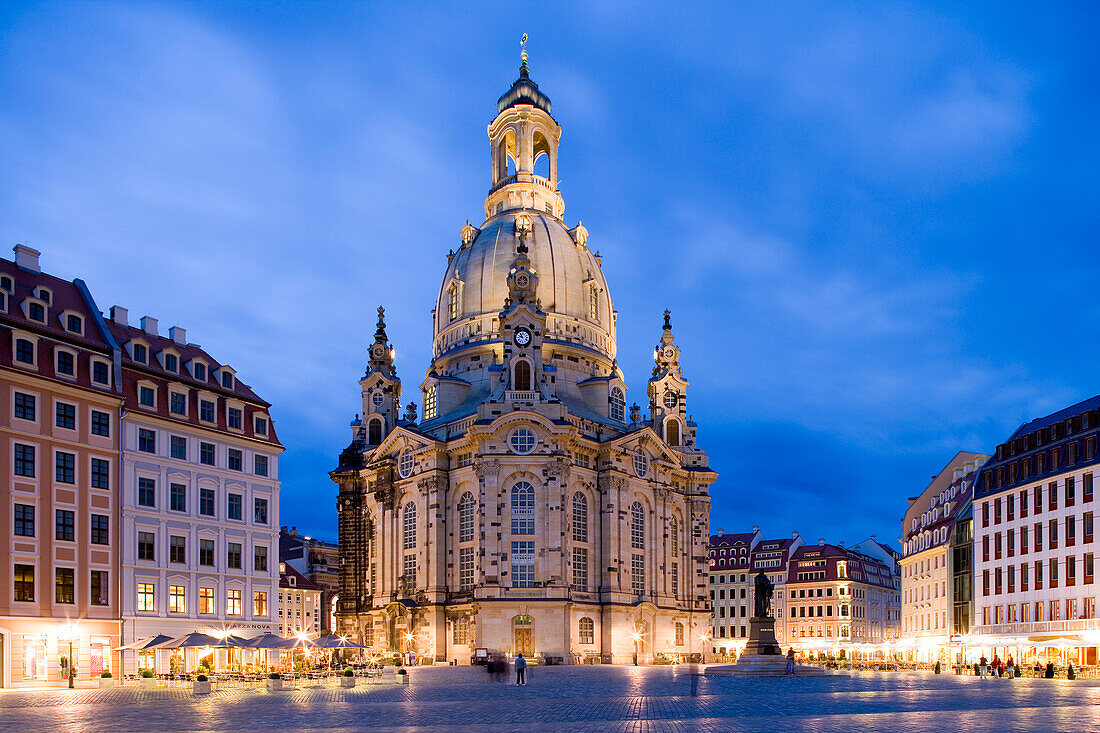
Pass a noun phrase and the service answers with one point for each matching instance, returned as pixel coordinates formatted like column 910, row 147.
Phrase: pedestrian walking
column 982, row 666
column 790, row 660
column 996, row 664
column 521, row 670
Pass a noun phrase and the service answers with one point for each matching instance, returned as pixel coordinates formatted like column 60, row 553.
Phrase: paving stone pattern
column 585, row 699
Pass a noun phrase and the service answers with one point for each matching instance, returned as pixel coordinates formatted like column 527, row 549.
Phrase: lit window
column 206, row 600
column 587, row 631
column 429, row 403
column 259, row 604
column 146, row 597
column 233, row 602
column 177, row 599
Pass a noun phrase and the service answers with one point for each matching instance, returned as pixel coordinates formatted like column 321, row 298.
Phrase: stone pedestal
column 762, row 640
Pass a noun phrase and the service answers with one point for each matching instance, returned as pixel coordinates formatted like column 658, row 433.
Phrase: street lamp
column 69, row 634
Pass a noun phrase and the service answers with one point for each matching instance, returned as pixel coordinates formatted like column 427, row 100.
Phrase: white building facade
column 300, row 609
column 199, row 493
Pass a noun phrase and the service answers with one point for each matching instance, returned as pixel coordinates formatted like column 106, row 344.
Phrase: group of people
column 998, row 668
column 497, row 667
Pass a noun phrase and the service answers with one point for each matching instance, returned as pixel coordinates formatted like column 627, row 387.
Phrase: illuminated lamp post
column 69, row 634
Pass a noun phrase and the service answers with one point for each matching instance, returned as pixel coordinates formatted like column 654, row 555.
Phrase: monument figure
column 763, row 596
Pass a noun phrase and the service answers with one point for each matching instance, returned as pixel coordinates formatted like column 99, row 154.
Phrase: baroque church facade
column 527, row 510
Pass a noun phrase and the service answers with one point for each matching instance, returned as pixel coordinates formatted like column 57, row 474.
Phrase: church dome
column 570, row 284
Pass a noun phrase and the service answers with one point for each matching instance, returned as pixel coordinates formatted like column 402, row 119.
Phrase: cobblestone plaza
column 581, row 699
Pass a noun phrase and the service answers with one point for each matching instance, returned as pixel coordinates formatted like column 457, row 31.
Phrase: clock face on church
column 379, row 351
column 669, row 352
column 522, row 337
column 522, row 281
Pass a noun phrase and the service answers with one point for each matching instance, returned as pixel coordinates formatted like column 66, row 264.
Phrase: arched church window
column 674, row 536
column 587, row 631
column 522, row 441
column 672, row 431
column 429, row 403
column 374, row 431
column 637, row 526
column 522, row 376
column 580, row 518
column 523, row 508
column 618, row 405
column 405, row 464
column 452, row 302
column 466, row 517
column 641, row 465
column 408, row 539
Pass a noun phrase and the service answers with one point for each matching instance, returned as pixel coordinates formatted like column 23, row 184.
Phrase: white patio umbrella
column 268, row 640
column 331, row 641
column 151, row 642
column 193, row 639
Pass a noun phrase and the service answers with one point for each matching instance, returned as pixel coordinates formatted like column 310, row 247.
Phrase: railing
column 1040, row 627
column 544, row 182
column 516, row 395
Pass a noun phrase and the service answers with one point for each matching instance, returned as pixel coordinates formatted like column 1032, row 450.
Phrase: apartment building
column 731, row 587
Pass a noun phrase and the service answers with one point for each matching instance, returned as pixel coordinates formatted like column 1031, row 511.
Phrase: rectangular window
column 1052, row 494
column 1052, row 575
column 1038, row 575
column 233, row 555
column 74, row 324
column 147, row 492
column 259, row 559
column 1023, row 576
column 146, row 597
column 206, row 502
column 1071, row 491
column 236, row 459
column 24, row 520
column 206, row 553
column 1086, row 485
column 1071, row 531
column 580, row 569
column 65, row 416
column 171, row 362
column 1071, row 569
column 259, row 425
column 1052, row 534
column 64, row 585
column 147, row 396
column 460, row 631
column 234, row 418
column 206, row 410
column 259, row 511
column 676, row 582
column 1038, row 536
column 24, row 460
column 1086, row 521
column 23, row 577
column 523, row 564
column 146, row 545
column 101, row 373
column 178, row 448
column 177, row 549
column 260, row 465
column 147, row 441
column 177, row 497
column 1023, row 504
column 408, row 568
column 1088, row 568
column 65, row 468
column 24, row 351
column 25, row 406
column 206, row 454
column 177, row 599
column 65, row 525
column 100, row 529
column 996, row 511
column 177, row 403
column 466, row 568
column 65, row 363
column 101, row 423
column 637, row 574
column 101, row 473
column 234, row 506
column 98, row 588
column 259, row 604
column 206, row 600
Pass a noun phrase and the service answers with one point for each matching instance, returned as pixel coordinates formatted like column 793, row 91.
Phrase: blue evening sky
column 875, row 224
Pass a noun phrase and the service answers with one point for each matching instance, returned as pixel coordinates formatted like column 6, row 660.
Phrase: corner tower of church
column 525, row 511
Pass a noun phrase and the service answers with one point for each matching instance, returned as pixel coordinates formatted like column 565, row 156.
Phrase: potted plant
column 148, row 680
column 202, row 685
column 1070, row 673
column 402, row 676
column 275, row 682
column 348, row 678
column 939, row 669
column 106, row 681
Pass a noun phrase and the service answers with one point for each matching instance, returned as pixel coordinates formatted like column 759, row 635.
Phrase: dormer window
column 24, row 351
column 6, row 283
column 177, row 403
column 227, row 380
column 199, row 370
column 101, row 372
column 74, row 323
column 44, row 295
column 234, row 418
column 171, row 362
column 36, row 312
column 66, row 363
column 139, row 352
column 147, row 396
column 259, row 425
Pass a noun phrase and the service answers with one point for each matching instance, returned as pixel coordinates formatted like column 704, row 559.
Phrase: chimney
column 177, row 334
column 794, row 535
column 755, row 528
column 872, row 538
column 149, row 325
column 840, row 544
column 26, row 257
column 120, row 315
column 721, row 532
column 821, row 541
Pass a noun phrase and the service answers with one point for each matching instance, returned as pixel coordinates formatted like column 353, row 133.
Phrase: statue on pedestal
column 763, row 596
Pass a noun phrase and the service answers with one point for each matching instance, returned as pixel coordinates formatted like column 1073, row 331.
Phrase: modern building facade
column 528, row 510
column 300, row 609
column 731, row 584
column 935, row 576
column 199, row 491
column 1034, row 541
column 60, row 402
column 320, row 562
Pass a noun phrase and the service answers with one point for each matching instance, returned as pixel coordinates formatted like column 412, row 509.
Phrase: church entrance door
column 522, row 637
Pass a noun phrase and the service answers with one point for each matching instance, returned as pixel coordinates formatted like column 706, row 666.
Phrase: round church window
column 641, row 464
column 522, row 441
column 405, row 464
